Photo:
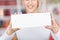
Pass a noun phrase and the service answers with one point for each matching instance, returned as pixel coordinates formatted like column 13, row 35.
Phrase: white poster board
column 30, row 20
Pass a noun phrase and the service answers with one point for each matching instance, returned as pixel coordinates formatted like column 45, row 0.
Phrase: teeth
column 30, row 7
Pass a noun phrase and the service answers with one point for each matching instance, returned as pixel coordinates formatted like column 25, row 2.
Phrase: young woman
column 37, row 33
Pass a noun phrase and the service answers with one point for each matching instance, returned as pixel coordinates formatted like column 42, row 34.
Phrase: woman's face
column 30, row 5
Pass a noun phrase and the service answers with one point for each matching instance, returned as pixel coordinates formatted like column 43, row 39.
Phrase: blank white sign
column 30, row 20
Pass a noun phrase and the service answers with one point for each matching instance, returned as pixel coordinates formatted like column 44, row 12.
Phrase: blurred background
column 8, row 7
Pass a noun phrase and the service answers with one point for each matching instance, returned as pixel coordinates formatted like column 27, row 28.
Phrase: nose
column 30, row 1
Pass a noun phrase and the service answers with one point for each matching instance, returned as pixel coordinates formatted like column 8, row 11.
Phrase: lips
column 30, row 6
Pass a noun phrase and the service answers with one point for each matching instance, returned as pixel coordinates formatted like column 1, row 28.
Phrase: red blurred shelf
column 8, row 2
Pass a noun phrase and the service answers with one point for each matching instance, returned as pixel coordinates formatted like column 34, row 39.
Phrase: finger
column 9, row 26
column 48, row 27
column 16, row 29
column 53, row 21
column 52, row 18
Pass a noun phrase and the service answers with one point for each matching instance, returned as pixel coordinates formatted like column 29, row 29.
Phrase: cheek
column 35, row 4
column 25, row 4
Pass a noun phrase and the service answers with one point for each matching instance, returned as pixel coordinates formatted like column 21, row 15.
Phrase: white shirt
column 37, row 33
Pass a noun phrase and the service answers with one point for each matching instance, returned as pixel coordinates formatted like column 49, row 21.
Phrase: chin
column 31, row 11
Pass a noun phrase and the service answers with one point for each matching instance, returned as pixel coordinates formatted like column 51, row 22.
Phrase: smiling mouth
column 30, row 7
